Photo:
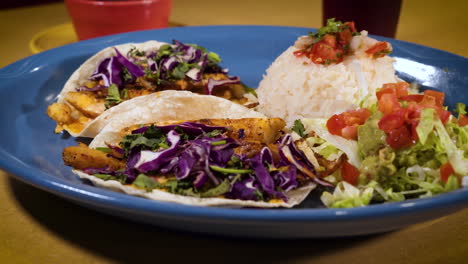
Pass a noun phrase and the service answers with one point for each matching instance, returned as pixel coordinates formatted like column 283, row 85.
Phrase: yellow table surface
column 38, row 227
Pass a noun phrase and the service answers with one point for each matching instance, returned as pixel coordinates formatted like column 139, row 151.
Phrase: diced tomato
column 388, row 103
column 413, row 124
column 428, row 101
column 438, row 97
column 414, row 110
column 350, row 132
column 399, row 138
column 393, row 121
column 400, row 123
column 331, row 48
column 335, row 124
column 400, row 89
column 413, row 98
column 350, row 25
column 349, row 173
column 326, row 51
column 445, row 171
column 345, row 36
column 358, row 116
column 443, row 114
column 347, row 123
column 384, row 91
column 462, row 120
column 330, row 40
column 433, row 99
column 379, row 49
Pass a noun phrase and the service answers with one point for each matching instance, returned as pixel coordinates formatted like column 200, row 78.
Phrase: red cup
column 377, row 17
column 99, row 18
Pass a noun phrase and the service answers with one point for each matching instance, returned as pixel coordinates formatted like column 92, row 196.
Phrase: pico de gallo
column 331, row 43
column 404, row 146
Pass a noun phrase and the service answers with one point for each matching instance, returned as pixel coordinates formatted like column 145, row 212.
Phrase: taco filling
column 123, row 75
column 242, row 159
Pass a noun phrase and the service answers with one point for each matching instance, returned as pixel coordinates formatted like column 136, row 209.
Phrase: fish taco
column 240, row 159
column 118, row 74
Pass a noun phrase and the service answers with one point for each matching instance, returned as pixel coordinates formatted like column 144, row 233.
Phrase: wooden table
column 38, row 227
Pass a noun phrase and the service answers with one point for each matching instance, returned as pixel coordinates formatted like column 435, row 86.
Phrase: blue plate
column 32, row 152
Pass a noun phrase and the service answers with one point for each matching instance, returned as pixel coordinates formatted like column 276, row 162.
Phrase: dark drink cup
column 377, row 17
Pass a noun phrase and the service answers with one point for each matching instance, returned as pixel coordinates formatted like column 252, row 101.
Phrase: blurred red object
column 99, row 18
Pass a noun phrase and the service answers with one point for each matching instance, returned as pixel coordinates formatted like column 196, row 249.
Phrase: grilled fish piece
column 81, row 157
column 263, row 130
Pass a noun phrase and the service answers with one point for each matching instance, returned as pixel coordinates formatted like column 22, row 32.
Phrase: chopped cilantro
column 235, row 162
column 222, row 188
column 145, row 182
column 107, row 177
column 331, row 27
column 213, row 133
column 180, row 70
column 113, row 96
column 298, row 127
column 127, row 76
column 124, row 94
column 135, row 52
column 191, row 192
column 177, row 187
column 258, row 194
column 104, row 177
column 164, row 51
column 152, row 139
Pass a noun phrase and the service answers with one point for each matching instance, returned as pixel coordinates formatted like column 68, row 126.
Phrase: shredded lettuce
column 460, row 109
column 451, row 184
column 459, row 135
column 349, row 147
column 346, row 195
column 113, row 96
column 426, row 124
column 328, row 151
column 455, row 156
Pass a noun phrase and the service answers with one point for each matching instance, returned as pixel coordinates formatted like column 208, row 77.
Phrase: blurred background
column 33, row 25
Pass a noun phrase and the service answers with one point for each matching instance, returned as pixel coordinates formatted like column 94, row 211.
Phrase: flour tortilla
column 294, row 197
column 167, row 107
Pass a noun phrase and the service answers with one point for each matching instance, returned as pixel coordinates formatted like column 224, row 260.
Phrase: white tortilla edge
column 295, row 197
column 163, row 106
